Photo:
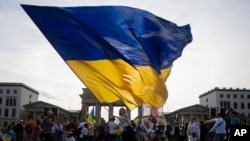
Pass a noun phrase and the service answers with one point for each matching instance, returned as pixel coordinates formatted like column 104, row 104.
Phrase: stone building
column 226, row 98
column 37, row 111
column 12, row 98
column 182, row 115
column 88, row 99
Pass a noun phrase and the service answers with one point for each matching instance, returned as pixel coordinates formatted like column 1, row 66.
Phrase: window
column 6, row 112
column 1, row 91
column 5, row 124
column 225, row 104
column 228, row 95
column 15, row 91
column 248, row 96
column 248, row 106
column 30, row 96
column 235, row 96
column 206, row 99
column 235, row 105
column 14, row 102
column 10, row 101
column 1, row 100
column 221, row 95
column 242, row 96
column 242, row 105
column 13, row 112
column 8, row 91
column 0, row 112
column 7, row 101
column 12, row 124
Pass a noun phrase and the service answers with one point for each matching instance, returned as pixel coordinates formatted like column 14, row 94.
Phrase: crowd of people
column 118, row 128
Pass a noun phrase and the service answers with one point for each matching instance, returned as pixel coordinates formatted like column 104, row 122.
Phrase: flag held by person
column 118, row 52
column 91, row 116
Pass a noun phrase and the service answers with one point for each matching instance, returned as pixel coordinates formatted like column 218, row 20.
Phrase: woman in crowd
column 128, row 134
column 193, row 130
column 58, row 130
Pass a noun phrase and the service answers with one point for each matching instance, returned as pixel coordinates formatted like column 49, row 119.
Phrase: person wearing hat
column 219, row 128
column 19, row 129
column 193, row 130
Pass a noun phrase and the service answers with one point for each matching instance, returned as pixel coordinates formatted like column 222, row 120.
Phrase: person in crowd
column 219, row 128
column 139, row 131
column 168, row 132
column 29, row 127
column 91, row 132
column 102, row 131
column 133, row 125
column 203, row 131
column 72, row 126
column 152, row 127
column 176, row 132
column 65, row 124
column 233, row 118
column 182, row 133
column 1, row 134
column 112, row 126
column 71, row 136
column 37, row 130
column 8, row 134
column 47, row 126
column 81, row 125
column 193, row 130
column 19, row 130
column 84, row 132
column 128, row 134
column 118, row 134
column 57, row 130
column 79, row 129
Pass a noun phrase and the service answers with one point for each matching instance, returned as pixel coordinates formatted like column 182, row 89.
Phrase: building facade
column 226, row 98
column 182, row 115
column 88, row 99
column 38, row 110
column 12, row 98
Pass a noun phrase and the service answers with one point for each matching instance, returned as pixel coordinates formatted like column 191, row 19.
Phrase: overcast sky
column 217, row 57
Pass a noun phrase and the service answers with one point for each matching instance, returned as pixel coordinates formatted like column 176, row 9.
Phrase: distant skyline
column 217, row 57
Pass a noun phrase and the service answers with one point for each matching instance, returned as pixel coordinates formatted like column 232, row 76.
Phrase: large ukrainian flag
column 118, row 52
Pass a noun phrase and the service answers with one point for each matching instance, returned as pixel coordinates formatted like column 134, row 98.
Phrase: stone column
column 111, row 111
column 128, row 112
column 140, row 112
column 85, row 111
column 98, row 113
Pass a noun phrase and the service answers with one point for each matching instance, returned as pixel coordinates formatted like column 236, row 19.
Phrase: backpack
column 28, row 129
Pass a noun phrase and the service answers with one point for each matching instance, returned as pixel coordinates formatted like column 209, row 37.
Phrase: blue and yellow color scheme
column 91, row 116
column 118, row 52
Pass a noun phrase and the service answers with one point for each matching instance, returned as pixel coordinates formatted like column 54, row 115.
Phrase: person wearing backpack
column 29, row 127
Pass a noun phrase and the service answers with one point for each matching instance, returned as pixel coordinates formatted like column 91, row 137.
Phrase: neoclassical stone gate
column 88, row 99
